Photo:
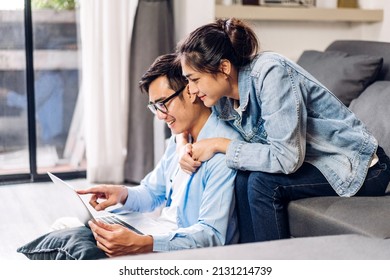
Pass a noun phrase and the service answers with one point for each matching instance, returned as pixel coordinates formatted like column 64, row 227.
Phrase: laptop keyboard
column 115, row 220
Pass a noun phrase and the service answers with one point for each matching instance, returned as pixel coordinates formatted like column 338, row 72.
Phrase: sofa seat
column 336, row 247
column 367, row 216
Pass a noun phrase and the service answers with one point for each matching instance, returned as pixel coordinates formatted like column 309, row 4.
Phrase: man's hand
column 111, row 195
column 116, row 240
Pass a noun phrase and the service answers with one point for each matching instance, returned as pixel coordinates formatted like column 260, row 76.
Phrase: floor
column 25, row 214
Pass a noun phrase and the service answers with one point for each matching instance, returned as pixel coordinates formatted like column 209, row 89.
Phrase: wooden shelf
column 249, row 12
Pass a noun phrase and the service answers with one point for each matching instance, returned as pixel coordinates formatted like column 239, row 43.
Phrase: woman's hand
column 205, row 149
column 192, row 155
column 183, row 148
column 111, row 195
column 116, row 240
column 187, row 163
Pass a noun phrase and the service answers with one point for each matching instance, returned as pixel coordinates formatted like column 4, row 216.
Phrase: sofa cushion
column 344, row 75
column 67, row 244
column 372, row 107
column 339, row 215
column 377, row 48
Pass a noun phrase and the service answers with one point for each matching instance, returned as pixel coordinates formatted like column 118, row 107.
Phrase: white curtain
column 105, row 32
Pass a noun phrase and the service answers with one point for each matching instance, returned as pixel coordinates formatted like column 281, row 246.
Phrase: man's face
column 179, row 116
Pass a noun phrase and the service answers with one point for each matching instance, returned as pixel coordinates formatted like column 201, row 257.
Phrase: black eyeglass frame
column 160, row 105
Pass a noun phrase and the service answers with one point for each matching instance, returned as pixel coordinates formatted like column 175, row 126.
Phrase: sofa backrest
column 372, row 105
column 356, row 47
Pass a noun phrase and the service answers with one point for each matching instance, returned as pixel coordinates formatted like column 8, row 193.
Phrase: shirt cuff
column 132, row 193
column 161, row 242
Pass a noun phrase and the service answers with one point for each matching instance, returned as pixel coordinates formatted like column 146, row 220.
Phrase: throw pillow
column 67, row 244
column 372, row 107
column 346, row 76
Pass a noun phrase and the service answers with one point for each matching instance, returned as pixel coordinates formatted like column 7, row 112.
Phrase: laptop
column 79, row 207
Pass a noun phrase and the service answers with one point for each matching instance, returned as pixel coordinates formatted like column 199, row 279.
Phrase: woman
column 301, row 141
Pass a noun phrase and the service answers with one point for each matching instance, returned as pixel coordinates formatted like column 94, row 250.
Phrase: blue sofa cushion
column 343, row 74
column 67, row 244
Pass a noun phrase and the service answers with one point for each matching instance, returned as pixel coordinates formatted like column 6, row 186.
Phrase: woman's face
column 208, row 87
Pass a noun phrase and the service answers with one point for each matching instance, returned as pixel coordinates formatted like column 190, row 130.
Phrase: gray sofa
column 367, row 216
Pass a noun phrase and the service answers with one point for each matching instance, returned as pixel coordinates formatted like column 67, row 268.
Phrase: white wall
column 379, row 32
column 287, row 38
column 190, row 14
column 291, row 38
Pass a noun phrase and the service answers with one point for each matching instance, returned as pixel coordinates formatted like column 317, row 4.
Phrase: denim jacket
column 288, row 117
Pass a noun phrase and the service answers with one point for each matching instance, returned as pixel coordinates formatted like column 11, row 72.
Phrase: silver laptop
column 80, row 207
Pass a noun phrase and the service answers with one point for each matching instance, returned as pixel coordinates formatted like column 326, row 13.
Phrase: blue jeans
column 262, row 198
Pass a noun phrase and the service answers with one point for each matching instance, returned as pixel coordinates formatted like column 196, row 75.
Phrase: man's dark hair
column 164, row 65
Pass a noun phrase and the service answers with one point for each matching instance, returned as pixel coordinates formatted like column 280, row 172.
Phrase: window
column 39, row 88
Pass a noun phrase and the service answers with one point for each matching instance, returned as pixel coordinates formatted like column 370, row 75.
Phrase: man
column 198, row 209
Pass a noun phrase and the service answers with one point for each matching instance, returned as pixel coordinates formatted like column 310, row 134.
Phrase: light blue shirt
column 288, row 118
column 206, row 214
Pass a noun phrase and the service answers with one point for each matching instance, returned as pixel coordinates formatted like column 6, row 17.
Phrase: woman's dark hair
column 164, row 65
column 230, row 39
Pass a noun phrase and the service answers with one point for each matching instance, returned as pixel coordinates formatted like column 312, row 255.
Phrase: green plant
column 54, row 4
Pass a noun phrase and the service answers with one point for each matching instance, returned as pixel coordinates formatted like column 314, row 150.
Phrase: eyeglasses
column 160, row 105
